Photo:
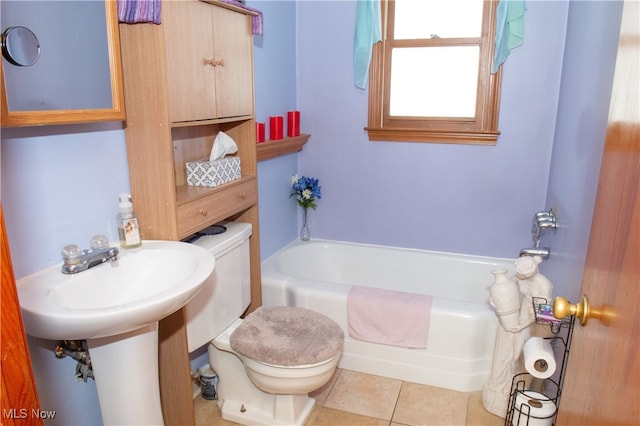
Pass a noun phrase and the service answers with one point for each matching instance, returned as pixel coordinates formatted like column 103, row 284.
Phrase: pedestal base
column 125, row 368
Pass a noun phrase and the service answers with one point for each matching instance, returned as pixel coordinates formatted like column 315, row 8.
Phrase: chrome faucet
column 543, row 252
column 541, row 221
column 76, row 260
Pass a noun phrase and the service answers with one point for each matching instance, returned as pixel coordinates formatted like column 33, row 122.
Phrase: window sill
column 404, row 135
column 277, row 148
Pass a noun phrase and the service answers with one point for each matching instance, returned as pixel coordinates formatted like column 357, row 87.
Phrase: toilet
column 268, row 362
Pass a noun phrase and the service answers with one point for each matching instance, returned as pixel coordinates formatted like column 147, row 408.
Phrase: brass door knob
column 582, row 310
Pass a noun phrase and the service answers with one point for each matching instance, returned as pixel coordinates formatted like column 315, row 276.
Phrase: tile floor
column 353, row 398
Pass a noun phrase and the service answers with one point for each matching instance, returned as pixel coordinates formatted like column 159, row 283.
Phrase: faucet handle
column 99, row 241
column 538, row 216
column 71, row 254
column 544, row 216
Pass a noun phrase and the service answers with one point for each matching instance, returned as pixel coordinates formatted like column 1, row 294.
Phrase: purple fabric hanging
column 256, row 20
column 139, row 11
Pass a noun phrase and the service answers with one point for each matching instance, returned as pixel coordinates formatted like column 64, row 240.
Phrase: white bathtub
column 318, row 275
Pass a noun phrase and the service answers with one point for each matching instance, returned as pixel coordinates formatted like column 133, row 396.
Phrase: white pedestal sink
column 116, row 308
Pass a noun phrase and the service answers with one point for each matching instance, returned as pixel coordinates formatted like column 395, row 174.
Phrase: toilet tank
column 227, row 293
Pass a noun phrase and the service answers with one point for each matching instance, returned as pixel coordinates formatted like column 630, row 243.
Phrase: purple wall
column 275, row 87
column 587, row 75
column 467, row 199
column 458, row 198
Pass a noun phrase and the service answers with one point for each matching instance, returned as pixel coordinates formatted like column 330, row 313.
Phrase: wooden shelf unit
column 185, row 80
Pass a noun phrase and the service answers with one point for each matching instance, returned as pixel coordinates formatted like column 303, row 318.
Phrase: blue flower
column 306, row 190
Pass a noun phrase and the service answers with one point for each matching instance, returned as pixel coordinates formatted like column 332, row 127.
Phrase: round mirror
column 20, row 46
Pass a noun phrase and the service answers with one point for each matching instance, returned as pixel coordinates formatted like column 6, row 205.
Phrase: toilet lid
column 288, row 336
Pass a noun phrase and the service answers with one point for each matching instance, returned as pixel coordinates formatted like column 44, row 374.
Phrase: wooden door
column 19, row 397
column 602, row 384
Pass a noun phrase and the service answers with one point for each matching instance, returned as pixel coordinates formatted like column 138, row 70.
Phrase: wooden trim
column 271, row 149
column 419, row 135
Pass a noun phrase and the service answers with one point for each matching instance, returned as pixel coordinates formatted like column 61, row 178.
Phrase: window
column 430, row 78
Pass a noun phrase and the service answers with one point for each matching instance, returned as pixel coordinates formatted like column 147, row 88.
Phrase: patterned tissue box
column 213, row 173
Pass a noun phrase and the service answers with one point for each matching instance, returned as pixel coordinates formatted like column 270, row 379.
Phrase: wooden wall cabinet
column 210, row 74
column 178, row 97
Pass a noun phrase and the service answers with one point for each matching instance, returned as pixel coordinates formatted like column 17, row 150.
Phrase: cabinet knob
column 204, row 212
column 243, row 195
column 214, row 62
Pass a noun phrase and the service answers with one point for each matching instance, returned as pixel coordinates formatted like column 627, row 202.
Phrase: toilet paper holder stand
column 541, row 396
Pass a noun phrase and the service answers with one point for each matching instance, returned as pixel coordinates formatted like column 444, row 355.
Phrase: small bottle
column 128, row 228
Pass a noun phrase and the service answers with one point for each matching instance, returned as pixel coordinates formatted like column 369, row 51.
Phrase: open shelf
column 192, row 123
column 276, row 148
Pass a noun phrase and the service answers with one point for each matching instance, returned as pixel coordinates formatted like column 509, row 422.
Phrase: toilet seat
column 287, row 336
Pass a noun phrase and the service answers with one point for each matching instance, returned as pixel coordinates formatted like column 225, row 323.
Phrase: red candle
column 276, row 125
column 259, row 132
column 293, row 123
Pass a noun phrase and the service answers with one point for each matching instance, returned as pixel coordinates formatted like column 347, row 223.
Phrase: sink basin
column 145, row 285
column 116, row 307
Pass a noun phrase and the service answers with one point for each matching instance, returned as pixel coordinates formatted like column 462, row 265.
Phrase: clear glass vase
column 305, row 233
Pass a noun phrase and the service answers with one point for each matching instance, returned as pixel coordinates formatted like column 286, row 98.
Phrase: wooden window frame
column 481, row 129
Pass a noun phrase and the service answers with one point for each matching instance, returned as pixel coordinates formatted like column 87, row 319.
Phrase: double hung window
column 430, row 78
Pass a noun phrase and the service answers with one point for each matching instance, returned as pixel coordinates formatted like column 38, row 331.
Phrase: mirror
column 20, row 46
column 60, row 62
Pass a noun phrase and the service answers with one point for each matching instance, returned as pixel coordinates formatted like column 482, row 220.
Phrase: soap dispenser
column 128, row 228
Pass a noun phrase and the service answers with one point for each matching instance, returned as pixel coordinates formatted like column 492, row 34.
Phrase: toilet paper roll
column 533, row 409
column 539, row 359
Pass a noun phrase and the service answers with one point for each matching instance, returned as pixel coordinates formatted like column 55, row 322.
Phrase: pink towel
column 388, row 317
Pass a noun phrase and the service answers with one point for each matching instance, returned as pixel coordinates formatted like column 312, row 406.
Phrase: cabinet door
column 209, row 54
column 189, row 50
column 233, row 47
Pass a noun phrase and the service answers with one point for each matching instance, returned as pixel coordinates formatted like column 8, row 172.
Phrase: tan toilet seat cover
column 287, row 336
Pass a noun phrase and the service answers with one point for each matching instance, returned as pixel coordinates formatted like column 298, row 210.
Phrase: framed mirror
column 60, row 63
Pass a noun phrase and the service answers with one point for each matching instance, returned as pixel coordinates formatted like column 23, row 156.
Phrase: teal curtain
column 509, row 29
column 368, row 32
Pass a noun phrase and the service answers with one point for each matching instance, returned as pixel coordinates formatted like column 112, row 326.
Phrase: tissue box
column 213, row 173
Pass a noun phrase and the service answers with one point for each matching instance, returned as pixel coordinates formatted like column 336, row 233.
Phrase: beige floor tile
column 352, row 398
column 324, row 416
column 477, row 415
column 426, row 405
column 364, row 394
column 208, row 414
column 320, row 395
